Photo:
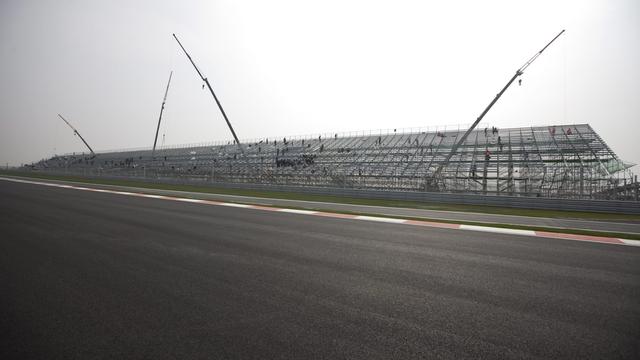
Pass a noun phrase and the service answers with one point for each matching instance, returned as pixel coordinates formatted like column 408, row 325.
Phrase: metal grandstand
column 563, row 161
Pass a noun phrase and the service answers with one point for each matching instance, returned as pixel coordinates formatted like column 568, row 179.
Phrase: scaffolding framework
column 563, row 161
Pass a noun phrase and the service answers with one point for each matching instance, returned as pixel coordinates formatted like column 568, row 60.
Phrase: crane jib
column 212, row 93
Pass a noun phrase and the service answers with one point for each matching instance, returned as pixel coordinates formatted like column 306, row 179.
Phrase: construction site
column 561, row 161
column 565, row 161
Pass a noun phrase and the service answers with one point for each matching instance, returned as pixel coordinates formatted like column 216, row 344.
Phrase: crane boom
column 77, row 133
column 212, row 93
column 164, row 100
column 519, row 72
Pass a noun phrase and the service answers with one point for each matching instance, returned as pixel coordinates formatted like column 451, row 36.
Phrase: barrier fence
column 521, row 202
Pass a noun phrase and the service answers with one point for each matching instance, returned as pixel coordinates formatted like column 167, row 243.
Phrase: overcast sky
column 301, row 67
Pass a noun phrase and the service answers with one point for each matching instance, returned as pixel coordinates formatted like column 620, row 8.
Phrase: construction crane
column 75, row 132
column 164, row 100
column 212, row 93
column 518, row 73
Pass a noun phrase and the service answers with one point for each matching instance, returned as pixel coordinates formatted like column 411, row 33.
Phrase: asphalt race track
column 95, row 275
column 628, row 226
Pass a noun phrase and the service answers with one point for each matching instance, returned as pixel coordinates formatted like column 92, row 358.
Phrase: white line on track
column 155, row 196
column 380, row 219
column 297, row 211
column 236, row 205
column 498, row 230
column 631, row 242
column 188, row 200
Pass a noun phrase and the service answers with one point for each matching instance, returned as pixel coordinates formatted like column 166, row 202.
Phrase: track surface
column 93, row 275
column 627, row 226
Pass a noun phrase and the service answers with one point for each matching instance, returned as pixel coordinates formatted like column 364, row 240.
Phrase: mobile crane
column 433, row 179
column 206, row 81
column 164, row 100
column 75, row 132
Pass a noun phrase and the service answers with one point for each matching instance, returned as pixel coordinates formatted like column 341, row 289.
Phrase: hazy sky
column 301, row 67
